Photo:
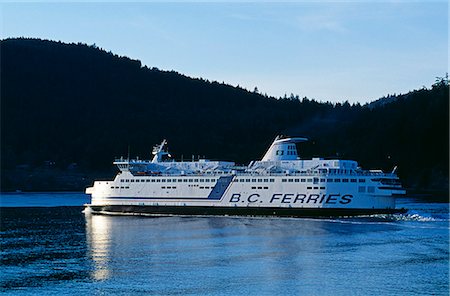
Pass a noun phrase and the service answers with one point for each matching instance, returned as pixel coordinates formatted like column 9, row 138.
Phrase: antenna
column 394, row 170
column 128, row 156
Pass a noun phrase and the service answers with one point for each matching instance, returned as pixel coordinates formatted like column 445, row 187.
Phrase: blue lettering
column 235, row 197
column 323, row 197
column 287, row 198
column 313, row 197
column 249, row 199
column 275, row 196
column 300, row 197
column 332, row 198
column 346, row 199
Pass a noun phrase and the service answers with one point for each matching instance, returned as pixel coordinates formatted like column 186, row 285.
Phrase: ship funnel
column 283, row 149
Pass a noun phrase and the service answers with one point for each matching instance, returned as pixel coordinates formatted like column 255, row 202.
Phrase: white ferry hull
column 310, row 196
column 281, row 184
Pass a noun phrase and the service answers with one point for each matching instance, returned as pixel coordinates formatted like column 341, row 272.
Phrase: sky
column 325, row 50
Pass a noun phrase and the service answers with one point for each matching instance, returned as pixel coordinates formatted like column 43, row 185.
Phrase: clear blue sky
column 330, row 51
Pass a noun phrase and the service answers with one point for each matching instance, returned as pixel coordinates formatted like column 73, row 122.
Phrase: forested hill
column 68, row 109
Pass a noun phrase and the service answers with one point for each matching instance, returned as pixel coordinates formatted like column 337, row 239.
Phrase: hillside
column 68, row 109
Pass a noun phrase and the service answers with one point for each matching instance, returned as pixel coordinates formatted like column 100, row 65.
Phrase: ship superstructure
column 281, row 183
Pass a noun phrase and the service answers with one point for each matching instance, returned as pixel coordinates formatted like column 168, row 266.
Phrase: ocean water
column 49, row 246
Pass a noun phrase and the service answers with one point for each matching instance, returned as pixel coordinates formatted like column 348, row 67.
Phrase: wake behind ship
column 280, row 184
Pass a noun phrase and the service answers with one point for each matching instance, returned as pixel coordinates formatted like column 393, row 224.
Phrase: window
column 322, row 180
column 272, row 180
column 169, row 180
column 132, row 180
column 337, row 180
column 330, row 180
column 353, row 180
column 148, row 180
column 259, row 180
column 362, row 180
column 127, row 180
column 308, row 187
column 370, row 189
column 266, row 180
column 362, row 189
column 266, row 187
column 247, row 180
column 196, row 180
column 153, row 180
column 190, row 180
column 345, row 180
column 309, row 180
column 283, row 180
column 253, row 187
column 296, row 180
column 290, row 180
column 303, row 180
column 122, row 180
column 158, row 180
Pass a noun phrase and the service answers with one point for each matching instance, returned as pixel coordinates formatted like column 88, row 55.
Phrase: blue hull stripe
column 220, row 187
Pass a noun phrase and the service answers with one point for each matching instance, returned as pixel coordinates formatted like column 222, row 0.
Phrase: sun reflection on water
column 98, row 232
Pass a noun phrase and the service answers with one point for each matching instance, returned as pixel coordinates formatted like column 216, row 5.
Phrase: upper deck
column 281, row 159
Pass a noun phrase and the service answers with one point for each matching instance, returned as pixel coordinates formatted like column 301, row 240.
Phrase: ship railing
column 273, row 174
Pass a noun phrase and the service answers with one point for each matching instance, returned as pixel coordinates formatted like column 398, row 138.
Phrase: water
column 49, row 249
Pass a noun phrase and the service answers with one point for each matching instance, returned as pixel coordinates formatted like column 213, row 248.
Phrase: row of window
column 324, row 180
column 338, row 171
column 255, row 180
column 281, row 152
column 260, row 187
column 121, row 187
column 201, row 187
column 296, row 180
column 167, row 180
column 315, row 187
column 362, row 189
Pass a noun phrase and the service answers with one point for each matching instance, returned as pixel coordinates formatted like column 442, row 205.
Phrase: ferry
column 280, row 184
